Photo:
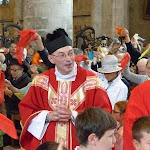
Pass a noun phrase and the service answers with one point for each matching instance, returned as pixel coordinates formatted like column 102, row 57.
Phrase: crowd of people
column 90, row 99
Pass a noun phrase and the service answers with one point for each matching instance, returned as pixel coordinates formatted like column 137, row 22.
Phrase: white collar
column 117, row 79
column 69, row 77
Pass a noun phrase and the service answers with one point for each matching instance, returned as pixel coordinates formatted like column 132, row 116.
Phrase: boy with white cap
column 111, row 76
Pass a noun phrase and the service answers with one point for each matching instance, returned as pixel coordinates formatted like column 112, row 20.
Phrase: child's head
column 49, row 146
column 95, row 128
column 141, row 133
column 90, row 45
column 119, row 110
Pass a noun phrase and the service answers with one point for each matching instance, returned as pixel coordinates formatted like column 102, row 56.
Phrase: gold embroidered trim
column 41, row 81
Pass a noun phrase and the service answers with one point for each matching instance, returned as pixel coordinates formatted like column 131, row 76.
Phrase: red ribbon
column 125, row 61
column 81, row 58
column 7, row 126
column 119, row 30
column 2, row 87
column 26, row 37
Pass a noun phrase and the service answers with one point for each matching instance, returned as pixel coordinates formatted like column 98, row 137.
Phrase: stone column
column 119, row 15
column 48, row 15
column 96, row 17
column 18, row 13
column 106, row 14
column 102, row 17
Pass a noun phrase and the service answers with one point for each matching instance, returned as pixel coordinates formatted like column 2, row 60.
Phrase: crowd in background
column 121, row 66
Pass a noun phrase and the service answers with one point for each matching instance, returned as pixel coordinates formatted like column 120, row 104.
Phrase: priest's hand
column 61, row 113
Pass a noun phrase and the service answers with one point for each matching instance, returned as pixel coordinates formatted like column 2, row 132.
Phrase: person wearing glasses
column 118, row 113
column 19, row 79
column 49, row 109
column 110, row 73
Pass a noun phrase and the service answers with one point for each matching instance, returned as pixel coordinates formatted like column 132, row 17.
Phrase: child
column 95, row 129
column 141, row 133
column 118, row 113
column 5, row 123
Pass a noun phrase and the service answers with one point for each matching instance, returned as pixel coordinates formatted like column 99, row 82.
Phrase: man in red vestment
column 138, row 105
column 49, row 109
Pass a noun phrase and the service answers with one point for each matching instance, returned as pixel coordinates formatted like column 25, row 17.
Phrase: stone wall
column 108, row 14
column 47, row 15
column 18, row 12
column 11, row 12
column 102, row 15
column 137, row 23
column 120, row 14
column 7, row 13
column 81, row 14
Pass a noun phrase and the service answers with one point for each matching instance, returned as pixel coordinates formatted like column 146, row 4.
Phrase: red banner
column 26, row 37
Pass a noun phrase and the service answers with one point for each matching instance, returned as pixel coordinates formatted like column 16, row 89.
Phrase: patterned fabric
column 45, row 93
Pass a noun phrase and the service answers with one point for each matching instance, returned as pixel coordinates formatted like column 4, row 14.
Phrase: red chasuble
column 46, row 92
column 138, row 106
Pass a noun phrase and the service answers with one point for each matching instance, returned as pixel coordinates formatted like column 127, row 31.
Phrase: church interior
column 110, row 39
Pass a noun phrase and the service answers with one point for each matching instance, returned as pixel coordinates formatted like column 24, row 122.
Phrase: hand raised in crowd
column 125, row 33
column 39, row 42
column 33, row 68
column 60, row 113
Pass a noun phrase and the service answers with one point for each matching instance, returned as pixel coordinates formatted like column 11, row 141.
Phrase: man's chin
column 69, row 69
column 70, row 66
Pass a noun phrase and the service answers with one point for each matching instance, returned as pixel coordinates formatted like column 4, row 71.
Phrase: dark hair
column 93, row 120
column 49, row 146
column 121, row 38
column 13, row 42
column 142, row 124
column 89, row 43
column 23, row 65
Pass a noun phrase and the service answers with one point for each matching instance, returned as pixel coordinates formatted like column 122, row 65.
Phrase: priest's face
column 63, row 58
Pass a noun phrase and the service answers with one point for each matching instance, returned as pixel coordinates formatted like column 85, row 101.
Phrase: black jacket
column 12, row 103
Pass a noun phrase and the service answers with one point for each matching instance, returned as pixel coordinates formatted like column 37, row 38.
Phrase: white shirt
column 116, row 90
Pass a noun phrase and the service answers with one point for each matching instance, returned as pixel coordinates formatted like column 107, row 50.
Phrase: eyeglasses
column 14, row 70
column 63, row 55
column 116, row 112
